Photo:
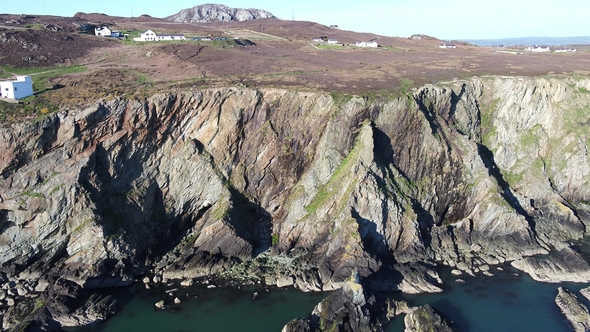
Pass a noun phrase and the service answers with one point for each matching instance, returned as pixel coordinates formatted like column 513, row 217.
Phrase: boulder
column 160, row 305
column 187, row 283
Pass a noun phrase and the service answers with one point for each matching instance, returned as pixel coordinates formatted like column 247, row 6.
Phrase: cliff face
column 297, row 188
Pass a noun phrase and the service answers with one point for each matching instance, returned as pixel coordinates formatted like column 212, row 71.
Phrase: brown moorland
column 259, row 53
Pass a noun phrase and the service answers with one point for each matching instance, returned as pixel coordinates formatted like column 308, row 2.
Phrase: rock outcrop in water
column 560, row 265
column 346, row 309
column 575, row 312
column 296, row 188
column 425, row 319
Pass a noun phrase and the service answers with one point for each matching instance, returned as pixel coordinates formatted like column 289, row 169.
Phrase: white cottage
column 371, row 44
column 102, row 32
column 173, row 36
column 447, row 45
column 21, row 88
column 147, row 35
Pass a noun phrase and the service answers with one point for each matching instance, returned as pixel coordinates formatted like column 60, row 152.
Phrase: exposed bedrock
column 574, row 311
column 349, row 308
column 425, row 319
column 297, row 188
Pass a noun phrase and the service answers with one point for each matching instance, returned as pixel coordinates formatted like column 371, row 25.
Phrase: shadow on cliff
column 137, row 216
column 251, row 221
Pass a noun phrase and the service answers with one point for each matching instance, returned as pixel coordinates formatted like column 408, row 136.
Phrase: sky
column 444, row 19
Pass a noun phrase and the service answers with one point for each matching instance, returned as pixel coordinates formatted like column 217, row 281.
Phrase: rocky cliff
column 215, row 13
column 296, row 188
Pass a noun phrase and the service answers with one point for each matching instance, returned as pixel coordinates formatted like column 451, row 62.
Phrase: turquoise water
column 504, row 302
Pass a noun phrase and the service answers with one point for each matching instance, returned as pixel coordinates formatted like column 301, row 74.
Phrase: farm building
column 447, row 45
column 20, row 88
column 149, row 35
column 370, row 44
column 102, row 32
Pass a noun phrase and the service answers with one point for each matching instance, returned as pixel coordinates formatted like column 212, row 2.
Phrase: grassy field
column 42, row 75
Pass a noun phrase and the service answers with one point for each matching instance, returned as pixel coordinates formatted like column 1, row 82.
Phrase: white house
column 149, row 35
column 371, row 44
column 566, row 50
column 21, row 88
column 317, row 40
column 332, row 41
column 447, row 45
column 173, row 36
column 538, row 48
column 102, row 32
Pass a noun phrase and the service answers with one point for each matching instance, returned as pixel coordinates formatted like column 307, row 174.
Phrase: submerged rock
column 575, row 312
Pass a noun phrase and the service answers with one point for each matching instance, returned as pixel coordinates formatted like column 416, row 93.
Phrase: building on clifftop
column 20, row 88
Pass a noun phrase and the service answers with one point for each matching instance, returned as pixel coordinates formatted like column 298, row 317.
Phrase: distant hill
column 214, row 13
column 550, row 41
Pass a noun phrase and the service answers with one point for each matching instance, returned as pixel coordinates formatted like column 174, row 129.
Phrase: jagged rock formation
column 425, row 319
column 214, row 13
column 297, row 188
column 558, row 266
column 346, row 309
column 575, row 312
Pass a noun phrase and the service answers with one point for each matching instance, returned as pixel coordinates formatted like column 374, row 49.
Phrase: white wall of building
column 21, row 88
column 148, row 35
column 102, row 32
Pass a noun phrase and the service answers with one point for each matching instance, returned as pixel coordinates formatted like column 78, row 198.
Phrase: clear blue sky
column 445, row 19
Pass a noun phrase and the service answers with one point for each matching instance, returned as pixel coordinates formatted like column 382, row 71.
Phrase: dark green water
column 502, row 303
column 231, row 310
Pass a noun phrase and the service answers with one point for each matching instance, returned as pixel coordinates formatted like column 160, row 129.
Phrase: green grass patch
column 330, row 46
column 29, row 193
column 531, row 137
column 488, row 129
column 405, row 85
column 41, row 75
column 340, row 98
column 222, row 210
column 513, row 178
column 334, row 184
column 55, row 189
column 34, row 26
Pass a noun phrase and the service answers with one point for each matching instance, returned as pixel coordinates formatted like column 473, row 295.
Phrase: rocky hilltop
column 293, row 188
column 215, row 13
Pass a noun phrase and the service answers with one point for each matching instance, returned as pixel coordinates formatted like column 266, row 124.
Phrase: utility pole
column 293, row 16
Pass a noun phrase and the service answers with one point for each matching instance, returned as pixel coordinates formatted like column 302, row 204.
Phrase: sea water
column 207, row 309
column 509, row 301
